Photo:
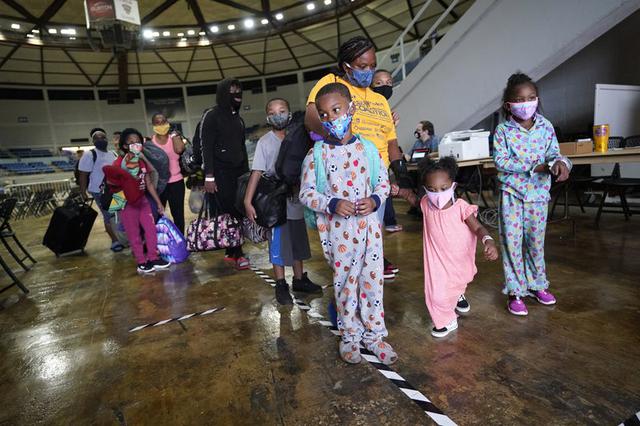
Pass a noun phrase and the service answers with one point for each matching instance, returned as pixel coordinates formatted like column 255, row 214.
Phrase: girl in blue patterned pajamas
column 526, row 153
column 350, row 231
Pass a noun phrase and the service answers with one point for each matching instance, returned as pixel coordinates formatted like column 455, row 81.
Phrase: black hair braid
column 352, row 49
column 515, row 80
column 446, row 164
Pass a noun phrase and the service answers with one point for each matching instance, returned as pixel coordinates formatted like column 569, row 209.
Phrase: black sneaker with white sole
column 159, row 264
column 463, row 305
column 145, row 268
column 441, row 332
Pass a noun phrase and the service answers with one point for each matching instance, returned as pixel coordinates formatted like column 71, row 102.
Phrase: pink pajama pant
column 135, row 216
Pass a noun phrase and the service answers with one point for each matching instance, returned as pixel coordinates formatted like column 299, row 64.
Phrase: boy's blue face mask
column 360, row 78
column 338, row 127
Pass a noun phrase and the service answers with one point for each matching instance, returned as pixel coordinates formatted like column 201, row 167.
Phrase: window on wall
column 70, row 95
column 24, row 94
column 255, row 86
column 167, row 92
column 113, row 96
column 207, row 89
column 316, row 74
column 283, row 80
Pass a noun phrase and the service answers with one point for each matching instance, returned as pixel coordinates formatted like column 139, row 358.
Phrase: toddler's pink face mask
column 441, row 199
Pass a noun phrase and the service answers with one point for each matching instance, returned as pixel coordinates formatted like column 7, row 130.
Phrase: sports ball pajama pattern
column 352, row 245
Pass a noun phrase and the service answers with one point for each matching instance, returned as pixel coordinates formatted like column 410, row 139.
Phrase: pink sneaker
column 544, row 297
column 517, row 306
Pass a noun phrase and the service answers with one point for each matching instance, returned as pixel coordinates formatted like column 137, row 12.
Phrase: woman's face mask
column 162, row 129
column 280, row 120
column 441, row 199
column 360, row 78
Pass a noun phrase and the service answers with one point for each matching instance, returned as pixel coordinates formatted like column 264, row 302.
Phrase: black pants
column 174, row 193
column 389, row 213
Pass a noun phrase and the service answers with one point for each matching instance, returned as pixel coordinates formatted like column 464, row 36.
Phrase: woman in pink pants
column 137, row 216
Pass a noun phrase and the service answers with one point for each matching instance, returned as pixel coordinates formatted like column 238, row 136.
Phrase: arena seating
column 30, row 153
column 30, row 168
column 65, row 166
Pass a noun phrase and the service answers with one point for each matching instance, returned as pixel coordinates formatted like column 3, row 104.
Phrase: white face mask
column 441, row 199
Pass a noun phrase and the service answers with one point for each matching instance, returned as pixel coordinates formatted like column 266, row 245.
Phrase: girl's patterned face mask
column 524, row 110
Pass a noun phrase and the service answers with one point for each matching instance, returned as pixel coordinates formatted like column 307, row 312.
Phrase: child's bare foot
column 350, row 352
column 382, row 350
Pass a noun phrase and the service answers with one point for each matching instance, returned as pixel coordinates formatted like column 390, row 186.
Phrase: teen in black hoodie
column 224, row 153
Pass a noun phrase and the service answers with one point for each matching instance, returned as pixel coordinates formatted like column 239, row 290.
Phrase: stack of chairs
column 6, row 233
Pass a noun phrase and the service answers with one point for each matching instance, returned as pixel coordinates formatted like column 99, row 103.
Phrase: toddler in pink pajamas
column 450, row 234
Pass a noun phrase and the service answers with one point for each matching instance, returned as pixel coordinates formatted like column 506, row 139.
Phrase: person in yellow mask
column 171, row 143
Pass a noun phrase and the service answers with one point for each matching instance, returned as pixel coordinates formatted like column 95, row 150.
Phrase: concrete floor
column 67, row 356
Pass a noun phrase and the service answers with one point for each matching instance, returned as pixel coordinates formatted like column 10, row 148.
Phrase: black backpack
column 76, row 171
column 293, row 149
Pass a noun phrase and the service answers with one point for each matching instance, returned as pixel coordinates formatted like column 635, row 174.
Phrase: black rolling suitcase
column 70, row 227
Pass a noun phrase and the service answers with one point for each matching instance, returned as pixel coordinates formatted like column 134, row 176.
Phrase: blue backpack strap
column 321, row 176
column 373, row 160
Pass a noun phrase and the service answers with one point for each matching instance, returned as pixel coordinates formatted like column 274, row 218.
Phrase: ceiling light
column 264, row 21
column 311, row 6
column 35, row 31
column 279, row 16
column 202, row 33
column 30, row 36
column 156, row 34
column 191, row 32
column 214, row 29
column 147, row 34
column 182, row 43
column 166, row 33
column 231, row 27
column 183, row 39
column 53, row 31
column 72, row 38
column 248, row 23
column 180, row 34
column 68, row 31
column 152, row 40
column 15, row 26
column 203, row 42
column 327, row 2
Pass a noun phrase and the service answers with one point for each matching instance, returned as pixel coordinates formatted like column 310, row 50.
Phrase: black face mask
column 234, row 103
column 101, row 144
column 385, row 91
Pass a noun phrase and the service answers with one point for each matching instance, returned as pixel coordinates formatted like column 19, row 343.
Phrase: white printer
column 465, row 145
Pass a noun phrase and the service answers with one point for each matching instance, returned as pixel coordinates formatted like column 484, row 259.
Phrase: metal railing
column 399, row 43
column 38, row 198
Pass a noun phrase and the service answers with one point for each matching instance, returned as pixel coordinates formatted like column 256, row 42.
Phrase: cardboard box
column 580, row 147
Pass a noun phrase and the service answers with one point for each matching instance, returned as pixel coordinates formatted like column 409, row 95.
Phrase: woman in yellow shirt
column 372, row 118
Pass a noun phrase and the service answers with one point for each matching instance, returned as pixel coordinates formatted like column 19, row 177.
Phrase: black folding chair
column 620, row 186
column 6, row 232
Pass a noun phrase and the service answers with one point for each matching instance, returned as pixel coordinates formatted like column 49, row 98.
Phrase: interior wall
column 568, row 92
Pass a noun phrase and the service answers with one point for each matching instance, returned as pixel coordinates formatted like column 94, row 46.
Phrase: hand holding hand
column 366, row 206
column 490, row 250
column 345, row 208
